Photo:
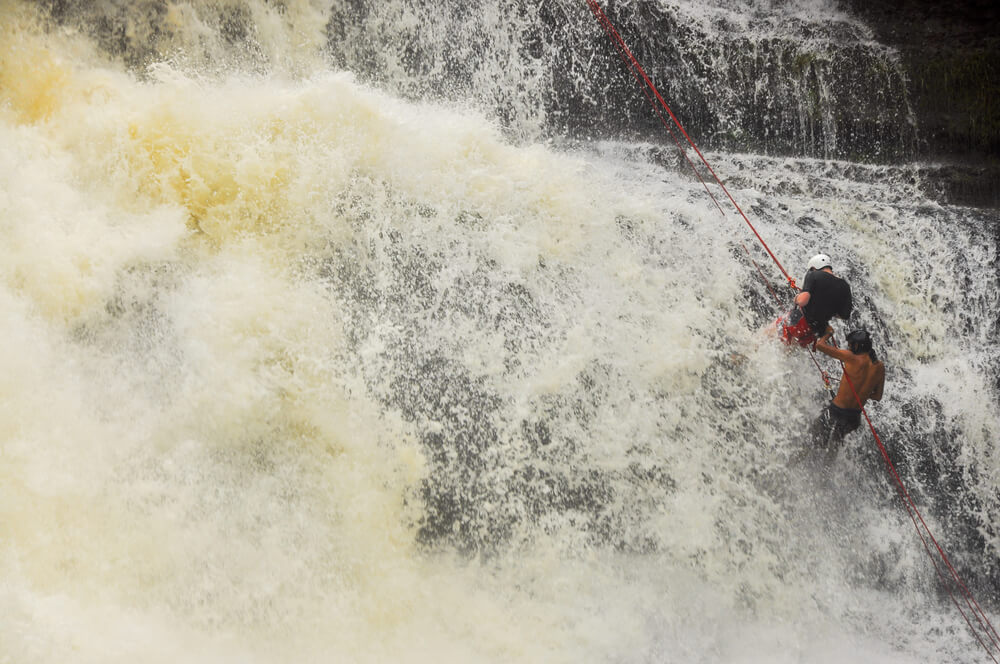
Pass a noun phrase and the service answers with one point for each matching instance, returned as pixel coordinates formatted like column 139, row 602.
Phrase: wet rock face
column 951, row 55
column 936, row 103
column 770, row 82
column 800, row 84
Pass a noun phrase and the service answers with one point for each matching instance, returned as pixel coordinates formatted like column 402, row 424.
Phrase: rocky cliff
column 950, row 52
column 777, row 79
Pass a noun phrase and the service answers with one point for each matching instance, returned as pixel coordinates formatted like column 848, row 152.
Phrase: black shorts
column 846, row 417
column 833, row 424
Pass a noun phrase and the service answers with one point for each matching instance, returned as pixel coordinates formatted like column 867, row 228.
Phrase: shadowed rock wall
column 951, row 55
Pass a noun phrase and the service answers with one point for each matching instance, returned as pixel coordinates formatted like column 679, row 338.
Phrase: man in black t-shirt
column 824, row 295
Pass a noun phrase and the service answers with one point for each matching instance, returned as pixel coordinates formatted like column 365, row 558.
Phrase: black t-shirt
column 829, row 296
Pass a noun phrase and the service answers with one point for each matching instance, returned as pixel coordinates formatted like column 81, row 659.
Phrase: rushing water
column 313, row 357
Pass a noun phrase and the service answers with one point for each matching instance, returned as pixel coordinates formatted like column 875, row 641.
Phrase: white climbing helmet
column 819, row 261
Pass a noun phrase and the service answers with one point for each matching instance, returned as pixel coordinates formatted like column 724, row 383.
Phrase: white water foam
column 297, row 370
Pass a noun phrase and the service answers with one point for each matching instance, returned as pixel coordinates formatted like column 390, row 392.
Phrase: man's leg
column 842, row 422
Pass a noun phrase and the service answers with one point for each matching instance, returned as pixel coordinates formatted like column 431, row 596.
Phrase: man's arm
column 802, row 299
column 825, row 348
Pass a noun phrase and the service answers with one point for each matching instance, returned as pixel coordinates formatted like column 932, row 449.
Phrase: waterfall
column 366, row 332
column 795, row 78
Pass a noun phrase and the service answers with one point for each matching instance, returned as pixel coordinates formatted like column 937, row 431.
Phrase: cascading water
column 789, row 77
column 405, row 358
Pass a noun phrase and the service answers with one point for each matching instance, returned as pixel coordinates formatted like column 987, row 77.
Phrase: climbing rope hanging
column 984, row 624
column 659, row 105
column 979, row 624
column 658, row 102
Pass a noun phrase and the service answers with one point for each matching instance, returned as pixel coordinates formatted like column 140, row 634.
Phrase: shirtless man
column 863, row 374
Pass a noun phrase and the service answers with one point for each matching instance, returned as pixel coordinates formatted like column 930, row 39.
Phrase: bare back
column 862, row 375
column 867, row 378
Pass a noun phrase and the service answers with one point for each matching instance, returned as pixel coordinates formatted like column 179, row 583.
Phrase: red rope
column 636, row 69
column 647, row 87
column 761, row 273
column 629, row 60
column 915, row 515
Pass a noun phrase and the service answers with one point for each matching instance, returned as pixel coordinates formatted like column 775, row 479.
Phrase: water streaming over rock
column 376, row 332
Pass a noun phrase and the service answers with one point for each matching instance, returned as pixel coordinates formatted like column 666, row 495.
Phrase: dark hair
column 859, row 341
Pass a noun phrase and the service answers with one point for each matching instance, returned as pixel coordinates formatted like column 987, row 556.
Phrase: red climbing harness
column 980, row 625
column 800, row 333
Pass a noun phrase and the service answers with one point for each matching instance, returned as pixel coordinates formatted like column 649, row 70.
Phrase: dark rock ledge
column 951, row 54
